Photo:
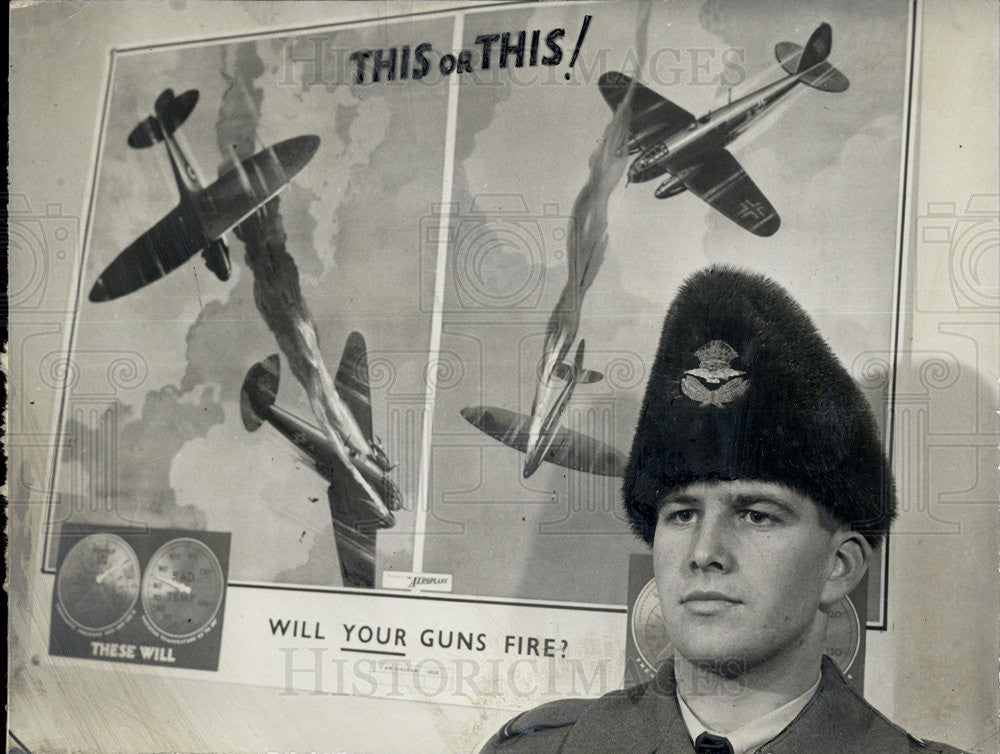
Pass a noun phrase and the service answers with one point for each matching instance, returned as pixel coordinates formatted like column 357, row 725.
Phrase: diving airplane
column 204, row 215
column 550, row 441
column 357, row 517
column 692, row 151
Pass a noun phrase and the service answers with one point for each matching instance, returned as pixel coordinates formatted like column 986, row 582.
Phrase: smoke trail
column 586, row 247
column 278, row 297
column 277, row 292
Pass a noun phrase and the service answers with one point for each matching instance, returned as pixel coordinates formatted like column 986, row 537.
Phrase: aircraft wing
column 354, row 529
column 652, row 115
column 720, row 180
column 164, row 247
column 235, row 195
column 569, row 448
column 352, row 382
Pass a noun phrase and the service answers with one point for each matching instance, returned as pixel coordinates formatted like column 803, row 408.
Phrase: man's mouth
column 708, row 603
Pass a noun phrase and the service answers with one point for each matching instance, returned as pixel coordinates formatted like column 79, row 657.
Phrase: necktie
column 706, row 743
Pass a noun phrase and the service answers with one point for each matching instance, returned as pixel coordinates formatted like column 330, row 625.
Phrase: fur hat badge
column 744, row 387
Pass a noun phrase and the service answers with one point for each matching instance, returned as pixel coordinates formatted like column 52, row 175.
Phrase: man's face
column 740, row 569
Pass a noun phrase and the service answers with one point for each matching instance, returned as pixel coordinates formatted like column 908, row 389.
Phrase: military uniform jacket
column 646, row 718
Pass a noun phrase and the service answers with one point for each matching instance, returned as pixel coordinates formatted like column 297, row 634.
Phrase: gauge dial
column 98, row 583
column 843, row 634
column 182, row 588
column 649, row 634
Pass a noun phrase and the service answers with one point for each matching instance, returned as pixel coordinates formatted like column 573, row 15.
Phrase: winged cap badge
column 713, row 369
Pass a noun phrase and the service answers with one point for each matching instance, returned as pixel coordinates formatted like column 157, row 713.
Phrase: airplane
column 357, row 517
column 691, row 151
column 203, row 216
column 550, row 441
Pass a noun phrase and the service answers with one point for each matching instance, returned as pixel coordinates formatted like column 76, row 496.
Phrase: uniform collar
column 647, row 718
column 748, row 737
column 838, row 721
column 639, row 720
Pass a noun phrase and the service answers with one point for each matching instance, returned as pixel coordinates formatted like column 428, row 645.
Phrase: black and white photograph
column 558, row 376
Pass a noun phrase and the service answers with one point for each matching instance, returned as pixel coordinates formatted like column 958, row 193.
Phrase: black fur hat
column 744, row 387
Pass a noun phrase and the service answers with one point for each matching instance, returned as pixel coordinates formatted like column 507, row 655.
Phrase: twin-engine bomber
column 692, row 151
column 357, row 517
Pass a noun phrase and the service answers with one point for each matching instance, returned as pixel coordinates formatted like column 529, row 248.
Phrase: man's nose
column 710, row 547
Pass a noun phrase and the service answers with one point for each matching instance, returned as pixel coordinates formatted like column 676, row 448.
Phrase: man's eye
column 683, row 516
column 759, row 517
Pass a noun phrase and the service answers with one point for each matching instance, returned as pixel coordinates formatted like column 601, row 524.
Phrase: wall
column 933, row 670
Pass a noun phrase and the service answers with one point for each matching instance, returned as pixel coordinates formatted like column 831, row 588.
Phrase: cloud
column 122, row 474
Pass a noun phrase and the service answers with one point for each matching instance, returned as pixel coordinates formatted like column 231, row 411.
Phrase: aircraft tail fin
column 810, row 64
column 171, row 112
column 578, row 360
column 260, row 389
column 584, row 376
column 817, row 48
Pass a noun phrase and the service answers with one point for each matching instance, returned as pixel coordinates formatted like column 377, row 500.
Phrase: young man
column 757, row 476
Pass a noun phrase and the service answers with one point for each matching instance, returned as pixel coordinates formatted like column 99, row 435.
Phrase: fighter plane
column 204, row 215
column 356, row 516
column 549, row 441
column 691, row 151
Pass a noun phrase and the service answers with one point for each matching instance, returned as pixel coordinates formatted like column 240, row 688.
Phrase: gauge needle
column 183, row 588
column 109, row 570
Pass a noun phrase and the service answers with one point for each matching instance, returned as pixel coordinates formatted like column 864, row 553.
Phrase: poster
column 417, row 236
column 142, row 596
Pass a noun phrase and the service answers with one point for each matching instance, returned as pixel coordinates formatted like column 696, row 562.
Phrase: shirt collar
column 755, row 733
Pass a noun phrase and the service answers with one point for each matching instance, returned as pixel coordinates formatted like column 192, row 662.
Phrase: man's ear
column 848, row 564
